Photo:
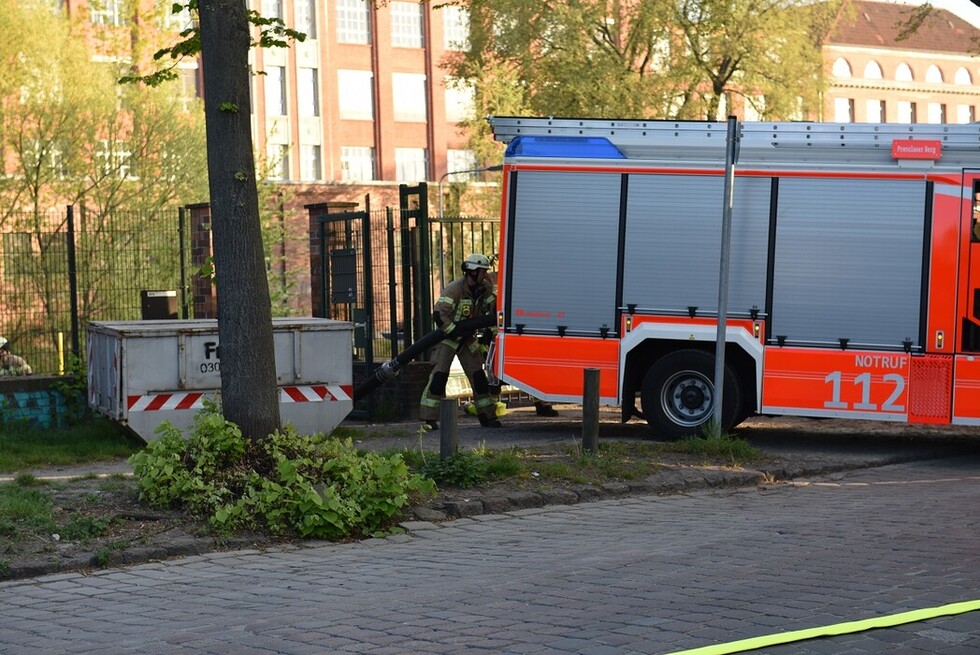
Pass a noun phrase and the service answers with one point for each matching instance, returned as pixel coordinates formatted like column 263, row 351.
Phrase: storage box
column 141, row 373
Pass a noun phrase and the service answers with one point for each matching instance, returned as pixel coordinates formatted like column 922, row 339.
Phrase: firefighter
column 470, row 296
column 11, row 364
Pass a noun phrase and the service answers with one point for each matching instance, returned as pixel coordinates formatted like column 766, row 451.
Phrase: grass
column 615, row 460
column 26, row 447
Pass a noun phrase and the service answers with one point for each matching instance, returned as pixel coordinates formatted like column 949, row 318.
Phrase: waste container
column 141, row 373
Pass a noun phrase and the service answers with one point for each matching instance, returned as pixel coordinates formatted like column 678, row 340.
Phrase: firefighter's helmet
column 476, row 261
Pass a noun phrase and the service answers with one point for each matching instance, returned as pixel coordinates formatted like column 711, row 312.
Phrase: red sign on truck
column 909, row 149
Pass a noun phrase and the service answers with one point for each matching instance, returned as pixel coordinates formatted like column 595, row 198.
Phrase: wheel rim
column 687, row 398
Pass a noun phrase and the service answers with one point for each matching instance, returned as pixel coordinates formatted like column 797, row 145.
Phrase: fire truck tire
column 678, row 394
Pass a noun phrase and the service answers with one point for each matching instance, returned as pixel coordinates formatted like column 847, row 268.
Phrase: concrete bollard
column 590, row 411
column 448, row 433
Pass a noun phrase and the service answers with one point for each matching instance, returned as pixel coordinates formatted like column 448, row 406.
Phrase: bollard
column 590, row 411
column 448, row 435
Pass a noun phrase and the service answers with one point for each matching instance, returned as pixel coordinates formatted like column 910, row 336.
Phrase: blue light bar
column 574, row 147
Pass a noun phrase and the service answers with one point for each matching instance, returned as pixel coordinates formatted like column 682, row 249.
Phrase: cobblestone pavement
column 634, row 575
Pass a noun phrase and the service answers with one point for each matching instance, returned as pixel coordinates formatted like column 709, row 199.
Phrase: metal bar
column 448, row 432
column 723, row 266
column 73, row 283
column 590, row 411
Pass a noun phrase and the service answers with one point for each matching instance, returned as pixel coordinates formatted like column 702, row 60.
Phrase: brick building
column 364, row 103
column 876, row 76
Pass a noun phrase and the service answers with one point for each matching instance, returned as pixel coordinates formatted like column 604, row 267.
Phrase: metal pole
column 731, row 142
column 73, row 284
column 448, row 434
column 590, row 411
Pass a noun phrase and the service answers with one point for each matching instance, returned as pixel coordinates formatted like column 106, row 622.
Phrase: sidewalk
column 793, row 449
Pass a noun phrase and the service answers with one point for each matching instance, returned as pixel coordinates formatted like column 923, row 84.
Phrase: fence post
column 182, row 237
column 73, row 283
column 448, row 434
column 590, row 411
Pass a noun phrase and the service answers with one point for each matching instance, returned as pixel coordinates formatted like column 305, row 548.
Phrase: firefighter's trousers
column 470, row 355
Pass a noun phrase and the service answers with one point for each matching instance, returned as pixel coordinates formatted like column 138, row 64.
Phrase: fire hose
column 393, row 366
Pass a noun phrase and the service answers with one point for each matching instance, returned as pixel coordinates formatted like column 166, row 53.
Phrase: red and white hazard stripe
column 161, row 401
column 315, row 393
column 195, row 399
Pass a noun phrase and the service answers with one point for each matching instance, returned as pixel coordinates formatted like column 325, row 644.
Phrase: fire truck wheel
column 678, row 394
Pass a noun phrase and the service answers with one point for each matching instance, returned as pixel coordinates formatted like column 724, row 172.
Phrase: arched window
column 934, row 75
column 903, row 73
column 841, row 68
column 962, row 76
column 872, row 71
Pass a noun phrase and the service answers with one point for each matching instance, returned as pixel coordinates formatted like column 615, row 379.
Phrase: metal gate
column 381, row 270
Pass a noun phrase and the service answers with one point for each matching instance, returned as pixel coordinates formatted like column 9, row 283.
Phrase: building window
column 307, row 91
column 936, row 112
column 965, row 114
column 872, row 71
column 843, row 110
column 356, row 94
column 934, row 75
column 356, row 164
column 406, row 25
column 962, row 76
column 906, row 112
column 408, row 92
column 455, row 28
column 755, row 107
column 310, row 166
column 460, row 101
column 841, row 68
column 272, row 9
column 106, row 12
column 306, row 17
column 352, row 21
column 275, row 91
column 876, row 111
column 278, row 162
column 903, row 73
column 176, row 21
column 115, row 160
column 460, row 160
column 411, row 164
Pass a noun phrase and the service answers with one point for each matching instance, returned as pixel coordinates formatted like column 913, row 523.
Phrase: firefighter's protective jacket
column 460, row 302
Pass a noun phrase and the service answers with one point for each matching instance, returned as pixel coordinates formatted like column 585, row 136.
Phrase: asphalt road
column 635, row 575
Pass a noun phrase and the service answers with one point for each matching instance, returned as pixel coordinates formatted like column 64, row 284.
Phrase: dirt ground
column 117, row 529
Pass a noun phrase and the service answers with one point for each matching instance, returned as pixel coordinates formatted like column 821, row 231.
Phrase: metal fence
column 61, row 270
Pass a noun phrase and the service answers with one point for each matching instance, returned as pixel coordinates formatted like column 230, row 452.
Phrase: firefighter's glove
column 486, row 336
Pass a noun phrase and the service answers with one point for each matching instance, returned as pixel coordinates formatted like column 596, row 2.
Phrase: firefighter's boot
column 541, row 408
column 490, row 421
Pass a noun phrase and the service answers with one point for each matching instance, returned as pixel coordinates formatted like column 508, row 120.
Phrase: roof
column 879, row 24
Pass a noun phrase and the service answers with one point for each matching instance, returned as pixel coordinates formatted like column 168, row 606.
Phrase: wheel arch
column 648, row 342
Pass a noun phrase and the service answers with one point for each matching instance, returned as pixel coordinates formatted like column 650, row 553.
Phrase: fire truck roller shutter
column 673, row 235
column 678, row 394
column 848, row 260
column 565, row 240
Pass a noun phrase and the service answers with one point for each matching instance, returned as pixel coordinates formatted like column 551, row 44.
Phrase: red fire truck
column 853, row 283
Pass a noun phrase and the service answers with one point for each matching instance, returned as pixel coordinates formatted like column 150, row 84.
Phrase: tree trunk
column 249, row 395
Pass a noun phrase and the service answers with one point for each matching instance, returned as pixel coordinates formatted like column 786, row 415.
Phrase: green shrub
column 286, row 483
column 465, row 469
